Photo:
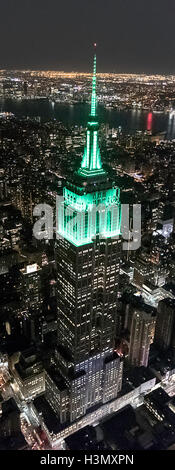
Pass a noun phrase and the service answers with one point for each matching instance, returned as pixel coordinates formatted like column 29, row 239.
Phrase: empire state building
column 88, row 257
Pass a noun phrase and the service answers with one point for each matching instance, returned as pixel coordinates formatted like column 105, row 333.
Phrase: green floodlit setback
column 81, row 218
column 92, row 158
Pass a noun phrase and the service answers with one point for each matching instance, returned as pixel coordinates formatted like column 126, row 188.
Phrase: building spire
column 94, row 79
column 91, row 164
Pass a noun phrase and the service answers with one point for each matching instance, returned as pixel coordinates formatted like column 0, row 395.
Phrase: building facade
column 141, row 336
column 88, row 257
column 165, row 324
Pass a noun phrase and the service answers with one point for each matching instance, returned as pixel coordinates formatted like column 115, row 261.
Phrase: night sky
column 132, row 35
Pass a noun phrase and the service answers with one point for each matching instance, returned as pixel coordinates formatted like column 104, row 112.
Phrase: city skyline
column 87, row 231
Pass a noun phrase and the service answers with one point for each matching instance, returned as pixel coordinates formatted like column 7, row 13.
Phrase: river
column 130, row 120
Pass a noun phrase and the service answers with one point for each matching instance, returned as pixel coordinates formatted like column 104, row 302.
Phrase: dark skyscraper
column 165, row 324
column 88, row 258
column 141, row 337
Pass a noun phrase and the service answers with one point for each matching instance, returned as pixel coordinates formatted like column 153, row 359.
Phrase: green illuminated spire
column 84, row 213
column 91, row 161
column 93, row 97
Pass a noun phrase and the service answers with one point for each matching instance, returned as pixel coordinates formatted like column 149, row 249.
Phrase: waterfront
column 129, row 120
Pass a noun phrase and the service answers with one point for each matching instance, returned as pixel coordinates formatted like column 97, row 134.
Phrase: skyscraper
column 141, row 336
column 165, row 324
column 88, row 257
column 30, row 286
column 31, row 302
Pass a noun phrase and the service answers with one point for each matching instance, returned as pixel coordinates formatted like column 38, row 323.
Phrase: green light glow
column 92, row 123
column 83, row 215
column 78, row 220
column 91, row 161
column 89, row 173
column 88, row 147
column 93, row 98
column 94, row 162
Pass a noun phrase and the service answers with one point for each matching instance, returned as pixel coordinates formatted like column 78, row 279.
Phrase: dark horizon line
column 52, row 69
